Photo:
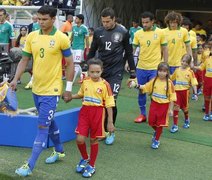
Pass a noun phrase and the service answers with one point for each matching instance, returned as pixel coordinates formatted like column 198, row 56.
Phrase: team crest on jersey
column 117, row 37
column 52, row 43
column 179, row 35
column 99, row 90
column 155, row 36
column 187, row 76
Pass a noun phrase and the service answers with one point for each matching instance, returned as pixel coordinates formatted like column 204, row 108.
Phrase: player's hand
column 67, row 96
column 13, row 84
column 110, row 127
column 126, row 67
column 132, row 83
column 171, row 113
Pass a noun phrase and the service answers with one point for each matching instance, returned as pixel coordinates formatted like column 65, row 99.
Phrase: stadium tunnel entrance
column 130, row 9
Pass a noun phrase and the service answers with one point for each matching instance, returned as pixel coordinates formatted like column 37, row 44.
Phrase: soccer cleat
column 54, row 157
column 199, row 92
column 153, row 137
column 89, row 171
column 81, row 165
column 193, row 97
column 186, row 124
column 110, row 139
column 206, row 117
column 29, row 85
column 24, row 170
column 174, row 129
column 155, row 144
column 141, row 118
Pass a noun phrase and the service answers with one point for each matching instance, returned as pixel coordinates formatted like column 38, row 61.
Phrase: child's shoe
column 186, row 124
column 174, row 129
column 206, row 117
column 24, row 170
column 155, row 144
column 89, row 171
column 81, row 165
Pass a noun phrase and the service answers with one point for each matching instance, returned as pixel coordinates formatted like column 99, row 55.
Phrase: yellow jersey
column 207, row 66
column 192, row 33
column 184, row 78
column 47, row 52
column 159, row 90
column 150, row 43
column 96, row 93
column 176, row 44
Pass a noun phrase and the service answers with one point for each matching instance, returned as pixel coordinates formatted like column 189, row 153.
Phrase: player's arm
column 67, row 96
column 87, row 44
column 94, row 47
column 129, row 54
column 19, row 71
column 110, row 126
column 165, row 53
column 194, row 54
column 77, row 96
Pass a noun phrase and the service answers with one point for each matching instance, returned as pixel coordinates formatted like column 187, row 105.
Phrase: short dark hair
column 48, row 10
column 81, row 17
column 95, row 62
column 3, row 10
column 187, row 22
column 108, row 12
column 148, row 14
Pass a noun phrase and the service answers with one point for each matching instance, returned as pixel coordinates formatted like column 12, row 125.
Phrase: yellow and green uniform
column 159, row 90
column 207, row 66
column 192, row 33
column 6, row 32
column 96, row 93
column 47, row 52
column 201, row 31
column 176, row 44
column 193, row 43
column 150, row 43
column 185, row 78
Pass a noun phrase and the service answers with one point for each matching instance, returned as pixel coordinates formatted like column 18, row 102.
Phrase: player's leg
column 161, row 120
column 185, row 106
column 207, row 91
column 177, row 105
column 46, row 106
column 96, row 132
column 142, row 79
column 115, row 84
column 82, row 131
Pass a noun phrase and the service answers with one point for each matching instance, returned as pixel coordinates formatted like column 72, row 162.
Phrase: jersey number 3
column 41, row 52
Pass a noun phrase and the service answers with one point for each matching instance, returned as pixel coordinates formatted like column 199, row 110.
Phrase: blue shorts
column 46, row 106
column 144, row 76
column 172, row 69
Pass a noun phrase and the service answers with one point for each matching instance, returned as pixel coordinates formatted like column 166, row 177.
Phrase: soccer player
column 79, row 39
column 111, row 40
column 161, row 90
column 184, row 78
column 135, row 27
column 152, row 42
column 6, row 29
column 207, row 88
column 178, row 39
column 97, row 95
column 47, row 46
